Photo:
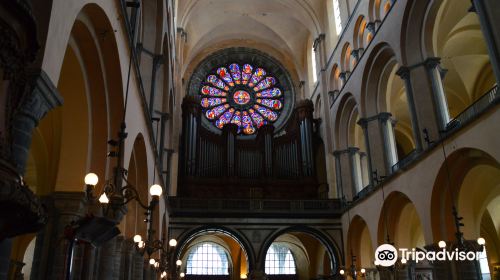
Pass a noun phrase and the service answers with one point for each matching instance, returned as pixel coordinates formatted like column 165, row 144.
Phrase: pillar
column 404, row 73
column 488, row 13
column 257, row 275
column 304, row 110
column 191, row 120
column 391, row 155
column 436, row 73
column 355, row 164
column 51, row 248
column 378, row 132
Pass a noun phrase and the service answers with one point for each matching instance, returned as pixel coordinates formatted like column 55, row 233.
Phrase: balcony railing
column 254, row 207
column 486, row 101
column 405, row 161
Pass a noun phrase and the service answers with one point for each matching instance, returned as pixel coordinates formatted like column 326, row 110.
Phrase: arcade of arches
column 262, row 139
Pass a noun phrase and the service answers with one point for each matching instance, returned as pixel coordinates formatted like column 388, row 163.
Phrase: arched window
column 336, row 13
column 313, row 62
column 279, row 260
column 241, row 94
column 207, row 259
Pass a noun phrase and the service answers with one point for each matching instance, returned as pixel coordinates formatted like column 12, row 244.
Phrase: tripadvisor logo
column 387, row 255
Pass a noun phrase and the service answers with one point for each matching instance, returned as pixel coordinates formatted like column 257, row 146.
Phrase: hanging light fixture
column 353, row 271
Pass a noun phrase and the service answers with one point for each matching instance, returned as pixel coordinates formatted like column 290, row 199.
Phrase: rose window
column 244, row 95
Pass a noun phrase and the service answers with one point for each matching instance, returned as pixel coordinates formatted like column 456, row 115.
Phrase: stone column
column 404, row 73
column 304, row 109
column 422, row 103
column 355, row 164
column 436, row 74
column 375, row 139
column 391, row 156
column 344, row 176
column 51, row 248
column 488, row 13
column 257, row 275
column 191, row 119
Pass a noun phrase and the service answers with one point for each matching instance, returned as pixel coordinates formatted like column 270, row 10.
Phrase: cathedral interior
column 261, row 140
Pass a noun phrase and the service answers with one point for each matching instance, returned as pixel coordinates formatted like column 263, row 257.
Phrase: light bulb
column 104, row 199
column 155, row 190
column 182, row 275
column 441, row 244
column 178, row 262
column 157, row 264
column 243, row 276
column 141, row 244
column 172, row 242
column 163, row 274
column 481, row 241
column 91, row 179
column 137, row 238
column 342, row 272
column 152, row 261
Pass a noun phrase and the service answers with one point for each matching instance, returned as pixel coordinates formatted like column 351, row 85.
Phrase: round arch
column 359, row 243
column 331, row 247
column 473, row 189
column 187, row 236
column 400, row 223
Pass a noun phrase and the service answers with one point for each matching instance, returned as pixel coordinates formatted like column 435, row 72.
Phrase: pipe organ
column 227, row 165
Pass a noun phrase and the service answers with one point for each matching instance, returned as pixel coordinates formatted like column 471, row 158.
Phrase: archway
column 474, row 189
column 400, row 223
column 457, row 39
column 314, row 253
column 360, row 245
column 203, row 252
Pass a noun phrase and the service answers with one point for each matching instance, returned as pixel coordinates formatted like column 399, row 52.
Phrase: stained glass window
column 207, row 259
column 242, row 94
column 279, row 260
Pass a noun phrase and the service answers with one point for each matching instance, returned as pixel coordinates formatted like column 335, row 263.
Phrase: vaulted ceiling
column 282, row 28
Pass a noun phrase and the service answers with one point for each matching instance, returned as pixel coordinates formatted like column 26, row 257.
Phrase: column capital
column 403, row 72
column 384, row 116
column 371, row 27
column 432, row 62
column 318, row 40
column 338, row 153
column 352, row 150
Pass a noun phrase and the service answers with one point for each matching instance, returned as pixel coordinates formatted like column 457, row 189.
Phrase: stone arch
column 335, row 81
column 384, row 91
column 474, row 190
column 345, row 58
column 457, row 39
column 186, row 237
column 359, row 244
column 87, row 84
column 359, row 33
column 347, row 131
column 400, row 223
column 133, row 223
column 328, row 244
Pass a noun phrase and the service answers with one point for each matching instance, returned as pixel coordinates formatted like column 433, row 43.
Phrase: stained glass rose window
column 245, row 95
